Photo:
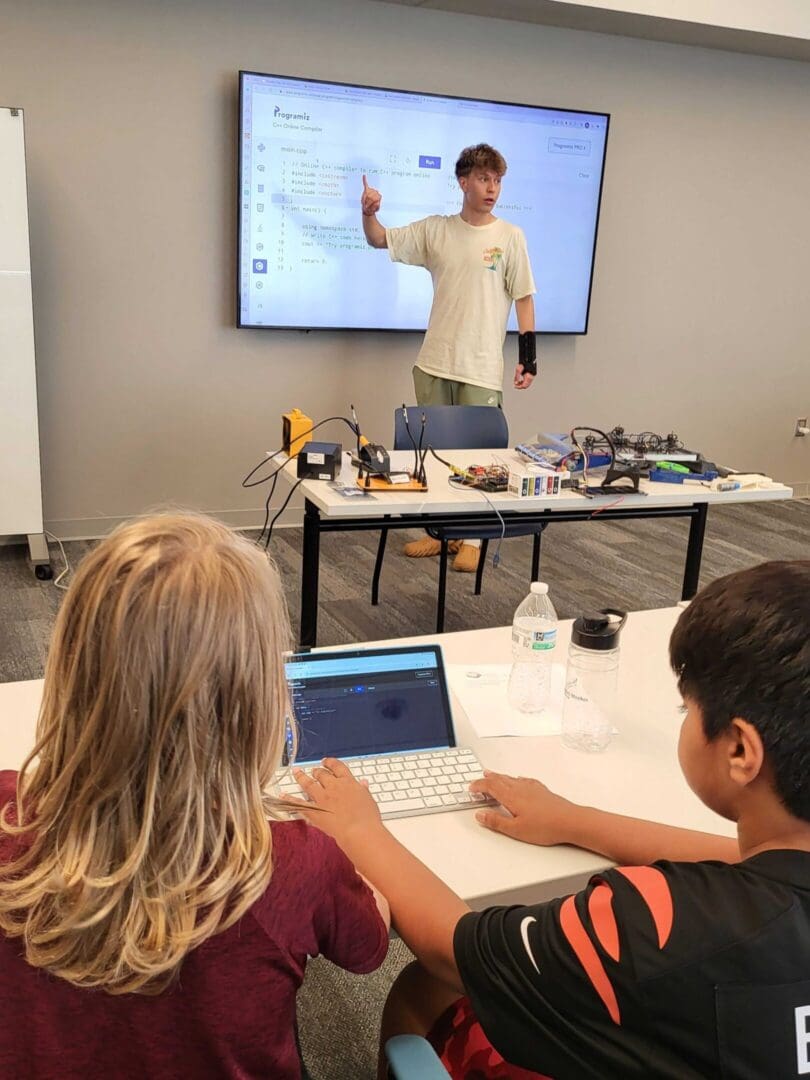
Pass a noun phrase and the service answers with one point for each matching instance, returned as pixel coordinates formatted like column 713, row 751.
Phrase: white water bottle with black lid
column 591, row 680
column 534, row 638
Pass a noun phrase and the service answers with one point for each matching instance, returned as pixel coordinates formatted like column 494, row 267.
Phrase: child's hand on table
column 535, row 814
column 338, row 803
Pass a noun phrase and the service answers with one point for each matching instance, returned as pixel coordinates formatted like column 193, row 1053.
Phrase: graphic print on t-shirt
column 492, row 256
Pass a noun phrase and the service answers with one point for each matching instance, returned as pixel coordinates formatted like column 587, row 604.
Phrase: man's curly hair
column 482, row 156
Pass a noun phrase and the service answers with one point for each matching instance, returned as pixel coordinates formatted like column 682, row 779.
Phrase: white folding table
column 637, row 775
column 325, row 510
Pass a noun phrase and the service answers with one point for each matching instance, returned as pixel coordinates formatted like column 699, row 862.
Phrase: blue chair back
column 453, row 427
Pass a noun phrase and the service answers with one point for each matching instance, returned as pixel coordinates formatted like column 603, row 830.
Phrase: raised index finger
column 365, row 183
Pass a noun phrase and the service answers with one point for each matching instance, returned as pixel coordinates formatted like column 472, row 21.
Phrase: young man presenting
column 479, row 265
column 689, row 959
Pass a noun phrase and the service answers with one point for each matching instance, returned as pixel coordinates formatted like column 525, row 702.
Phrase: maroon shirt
column 231, row 1012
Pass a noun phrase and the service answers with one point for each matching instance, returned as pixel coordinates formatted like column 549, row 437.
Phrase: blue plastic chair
column 453, row 427
column 457, row 427
column 411, row 1057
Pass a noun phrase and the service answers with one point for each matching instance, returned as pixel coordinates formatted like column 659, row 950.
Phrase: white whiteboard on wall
column 20, row 480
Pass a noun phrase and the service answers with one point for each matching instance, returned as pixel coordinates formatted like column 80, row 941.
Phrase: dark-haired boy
column 479, row 265
column 696, row 965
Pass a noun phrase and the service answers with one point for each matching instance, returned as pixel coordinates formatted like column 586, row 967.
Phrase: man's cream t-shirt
column 477, row 271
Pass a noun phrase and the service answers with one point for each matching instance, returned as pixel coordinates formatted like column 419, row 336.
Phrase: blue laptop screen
column 369, row 702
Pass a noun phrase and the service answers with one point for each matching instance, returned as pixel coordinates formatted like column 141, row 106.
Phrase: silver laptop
column 386, row 713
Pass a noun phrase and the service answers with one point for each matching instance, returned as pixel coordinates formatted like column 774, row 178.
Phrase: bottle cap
column 596, row 630
column 540, row 588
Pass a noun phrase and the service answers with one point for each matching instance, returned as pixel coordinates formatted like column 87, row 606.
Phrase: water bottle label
column 587, row 724
column 573, row 692
column 537, row 640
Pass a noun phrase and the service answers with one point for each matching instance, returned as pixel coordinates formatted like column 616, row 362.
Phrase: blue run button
column 260, row 266
column 429, row 162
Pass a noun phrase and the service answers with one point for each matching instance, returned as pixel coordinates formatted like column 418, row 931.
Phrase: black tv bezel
column 420, row 93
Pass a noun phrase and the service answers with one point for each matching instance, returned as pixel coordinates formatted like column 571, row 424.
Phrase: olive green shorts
column 433, row 390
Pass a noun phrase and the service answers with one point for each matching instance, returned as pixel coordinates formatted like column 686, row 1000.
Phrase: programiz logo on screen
column 290, row 115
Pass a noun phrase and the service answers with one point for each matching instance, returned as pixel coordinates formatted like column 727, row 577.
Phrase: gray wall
column 700, row 318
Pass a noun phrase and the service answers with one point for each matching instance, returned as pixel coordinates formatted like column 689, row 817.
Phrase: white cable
column 496, row 558
column 66, row 570
column 457, row 481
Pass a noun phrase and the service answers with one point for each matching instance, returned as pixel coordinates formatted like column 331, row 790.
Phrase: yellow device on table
column 296, row 428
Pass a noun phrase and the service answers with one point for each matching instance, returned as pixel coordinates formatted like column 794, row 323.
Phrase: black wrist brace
column 527, row 352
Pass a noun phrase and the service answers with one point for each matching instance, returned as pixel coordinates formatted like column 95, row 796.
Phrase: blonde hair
column 143, row 821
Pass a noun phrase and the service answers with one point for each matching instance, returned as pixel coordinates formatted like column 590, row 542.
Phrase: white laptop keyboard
column 425, row 782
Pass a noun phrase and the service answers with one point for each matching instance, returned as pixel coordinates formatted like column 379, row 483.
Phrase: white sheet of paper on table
column 481, row 690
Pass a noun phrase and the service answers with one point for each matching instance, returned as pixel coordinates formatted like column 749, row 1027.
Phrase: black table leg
column 479, row 570
column 375, row 581
column 538, row 536
column 442, row 588
column 694, row 552
column 310, row 566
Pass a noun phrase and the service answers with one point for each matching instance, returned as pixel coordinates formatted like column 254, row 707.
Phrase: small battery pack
column 319, row 460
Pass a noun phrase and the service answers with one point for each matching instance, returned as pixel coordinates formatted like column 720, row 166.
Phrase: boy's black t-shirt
column 676, row 970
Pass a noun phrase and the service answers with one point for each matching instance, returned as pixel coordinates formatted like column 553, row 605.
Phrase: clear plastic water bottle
column 591, row 680
column 534, row 637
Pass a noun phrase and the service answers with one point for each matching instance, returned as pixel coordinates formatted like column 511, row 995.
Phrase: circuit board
column 484, row 477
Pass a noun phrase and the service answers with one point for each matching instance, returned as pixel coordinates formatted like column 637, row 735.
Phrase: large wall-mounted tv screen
column 304, row 146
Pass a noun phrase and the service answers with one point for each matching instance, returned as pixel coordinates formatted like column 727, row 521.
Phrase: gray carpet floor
column 634, row 564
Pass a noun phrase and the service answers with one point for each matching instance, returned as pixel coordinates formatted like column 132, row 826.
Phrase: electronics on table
column 547, row 467
column 627, row 458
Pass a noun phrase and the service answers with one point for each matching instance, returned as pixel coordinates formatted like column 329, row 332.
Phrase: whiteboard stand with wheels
column 20, row 476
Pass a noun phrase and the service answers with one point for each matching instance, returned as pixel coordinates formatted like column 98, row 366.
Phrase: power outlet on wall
column 801, row 428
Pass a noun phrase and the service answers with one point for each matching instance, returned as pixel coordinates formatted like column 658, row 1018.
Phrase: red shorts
column 466, row 1052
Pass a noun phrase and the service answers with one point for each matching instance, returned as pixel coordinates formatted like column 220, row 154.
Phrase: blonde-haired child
column 156, row 908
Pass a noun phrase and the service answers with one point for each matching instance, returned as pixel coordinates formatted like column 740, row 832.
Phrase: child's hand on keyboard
column 338, row 802
column 536, row 815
